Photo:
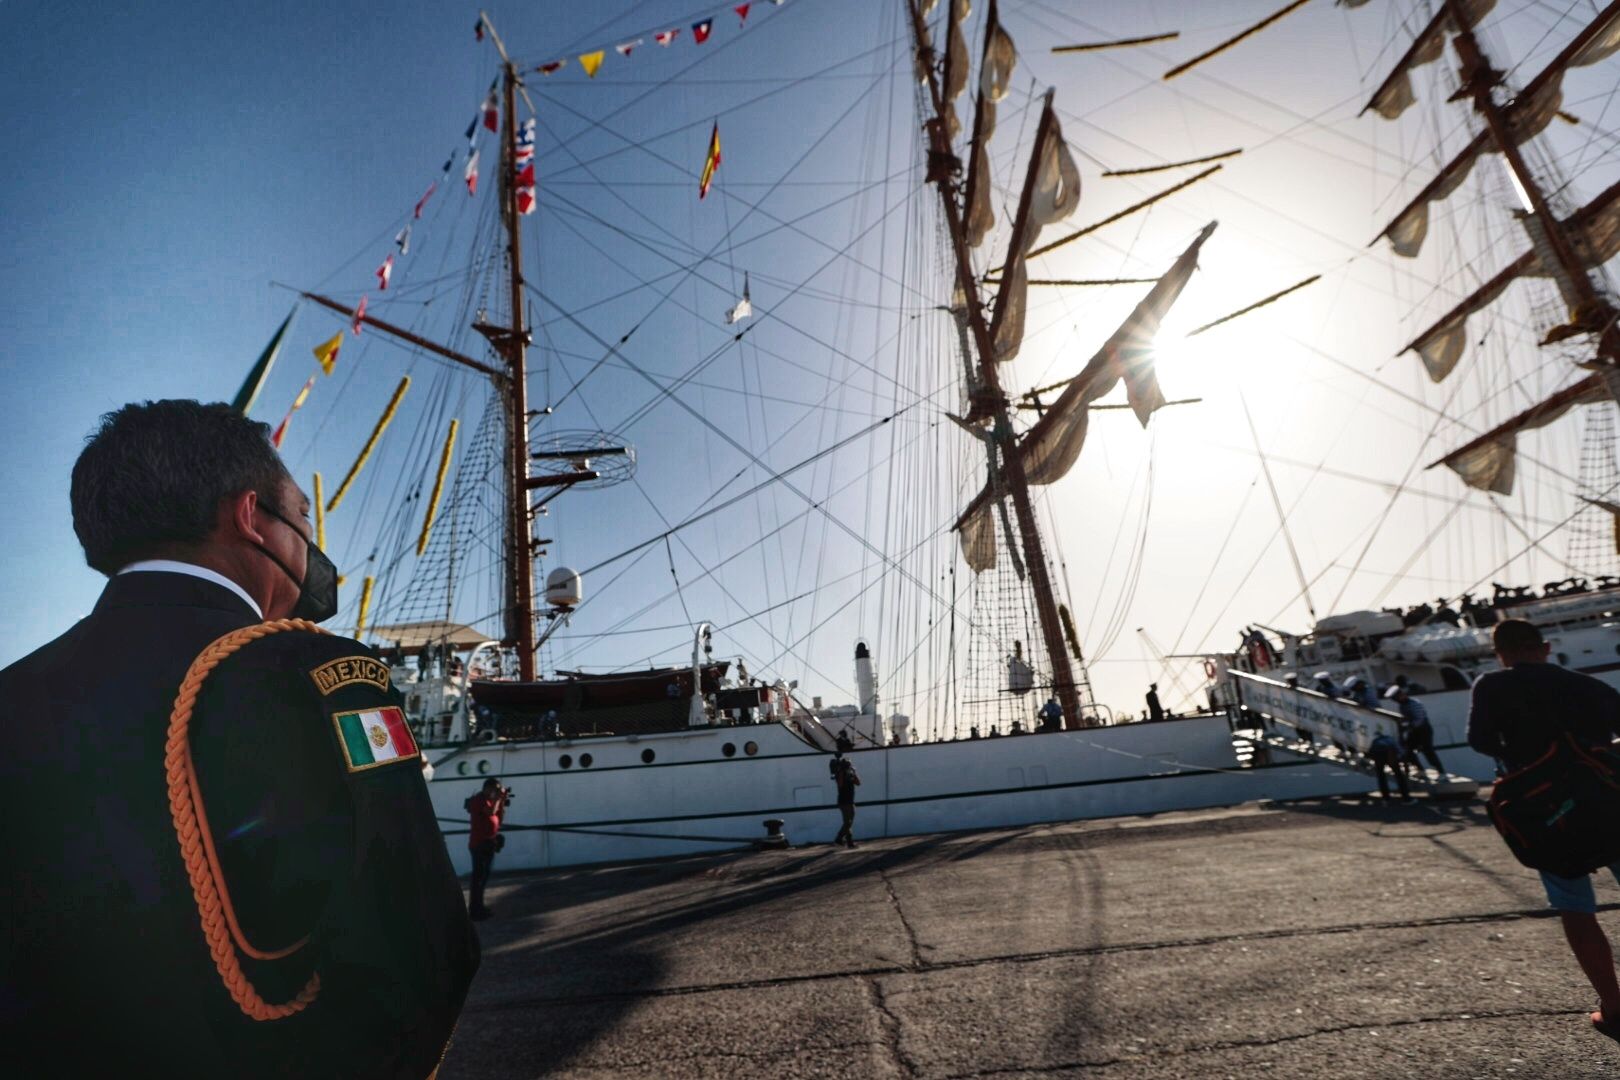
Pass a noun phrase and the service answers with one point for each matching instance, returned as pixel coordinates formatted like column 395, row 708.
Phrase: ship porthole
column 647, row 755
column 483, row 766
column 584, row 761
column 461, row 766
column 730, row 749
column 566, row 761
column 750, row 748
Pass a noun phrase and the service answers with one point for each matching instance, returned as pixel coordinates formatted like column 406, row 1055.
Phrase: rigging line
column 775, row 314
column 710, row 571
column 1395, row 495
column 1536, row 542
column 687, row 249
column 755, row 207
column 774, row 477
column 1153, row 81
column 1237, row 519
column 1276, row 501
column 1439, row 413
column 735, row 445
column 634, row 144
column 670, row 552
column 1422, row 549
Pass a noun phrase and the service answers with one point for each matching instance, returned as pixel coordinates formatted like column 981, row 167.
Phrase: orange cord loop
column 220, row 927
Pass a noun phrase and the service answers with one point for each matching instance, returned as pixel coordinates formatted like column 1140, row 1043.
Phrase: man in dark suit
column 266, row 893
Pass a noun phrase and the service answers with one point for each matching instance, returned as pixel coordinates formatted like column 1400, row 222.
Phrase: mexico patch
column 372, row 737
column 334, row 675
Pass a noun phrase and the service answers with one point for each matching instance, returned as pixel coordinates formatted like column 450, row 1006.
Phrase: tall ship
column 673, row 489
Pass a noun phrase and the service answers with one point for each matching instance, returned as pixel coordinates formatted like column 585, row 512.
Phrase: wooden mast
column 1593, row 311
column 990, row 399
column 515, row 344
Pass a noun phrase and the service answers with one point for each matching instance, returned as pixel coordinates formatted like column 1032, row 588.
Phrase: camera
column 507, row 793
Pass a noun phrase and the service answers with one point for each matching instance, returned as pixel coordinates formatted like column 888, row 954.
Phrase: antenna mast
column 990, row 399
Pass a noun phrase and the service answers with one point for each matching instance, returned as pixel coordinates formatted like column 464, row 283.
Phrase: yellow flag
column 710, row 163
column 327, row 351
column 591, row 61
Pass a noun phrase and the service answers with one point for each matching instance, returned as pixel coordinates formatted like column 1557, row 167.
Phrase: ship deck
column 1331, row 938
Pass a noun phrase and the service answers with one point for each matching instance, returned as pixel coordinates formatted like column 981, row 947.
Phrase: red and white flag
column 492, row 110
column 664, row 37
column 470, row 173
column 298, row 403
column 426, row 195
column 384, row 272
column 359, row 317
column 625, row 46
column 478, row 29
column 700, row 30
column 551, row 66
column 523, row 162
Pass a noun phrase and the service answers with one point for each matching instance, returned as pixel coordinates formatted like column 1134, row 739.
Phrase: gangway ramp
column 1336, row 730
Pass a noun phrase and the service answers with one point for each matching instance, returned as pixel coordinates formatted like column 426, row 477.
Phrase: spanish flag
column 711, row 163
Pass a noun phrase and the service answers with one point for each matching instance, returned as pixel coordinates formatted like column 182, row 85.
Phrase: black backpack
column 1561, row 813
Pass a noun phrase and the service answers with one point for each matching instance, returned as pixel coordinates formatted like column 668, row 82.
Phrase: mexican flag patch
column 374, row 737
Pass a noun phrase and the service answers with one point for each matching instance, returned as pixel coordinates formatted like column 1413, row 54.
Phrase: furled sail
column 1527, row 116
column 1052, row 446
column 956, row 63
column 1053, row 190
column 995, row 71
column 1394, row 95
column 1488, row 462
column 1594, row 233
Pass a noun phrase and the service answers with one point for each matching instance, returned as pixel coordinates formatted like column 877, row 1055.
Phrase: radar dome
column 563, row 588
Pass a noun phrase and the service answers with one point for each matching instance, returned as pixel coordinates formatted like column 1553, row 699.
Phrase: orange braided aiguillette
column 220, row 927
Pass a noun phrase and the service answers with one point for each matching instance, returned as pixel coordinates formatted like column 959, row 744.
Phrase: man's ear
column 238, row 516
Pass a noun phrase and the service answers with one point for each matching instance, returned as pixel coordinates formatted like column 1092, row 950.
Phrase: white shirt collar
column 171, row 566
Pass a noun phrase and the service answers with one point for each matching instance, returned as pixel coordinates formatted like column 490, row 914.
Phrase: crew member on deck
column 1051, row 715
column 237, row 872
column 1155, row 710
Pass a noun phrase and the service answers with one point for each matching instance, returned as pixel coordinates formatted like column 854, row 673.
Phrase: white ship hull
column 692, row 797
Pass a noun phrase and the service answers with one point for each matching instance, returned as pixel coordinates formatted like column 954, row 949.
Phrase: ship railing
column 1334, row 730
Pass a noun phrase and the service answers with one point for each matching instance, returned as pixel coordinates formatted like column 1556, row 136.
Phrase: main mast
column 1591, row 311
column 991, row 400
column 512, row 342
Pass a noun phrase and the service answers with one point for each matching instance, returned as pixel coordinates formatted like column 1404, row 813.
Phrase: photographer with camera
column 486, row 809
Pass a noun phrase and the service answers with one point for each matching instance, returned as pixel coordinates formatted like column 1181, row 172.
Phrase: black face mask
column 317, row 593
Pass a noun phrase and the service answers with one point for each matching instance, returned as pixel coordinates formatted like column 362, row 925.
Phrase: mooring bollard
column 774, row 837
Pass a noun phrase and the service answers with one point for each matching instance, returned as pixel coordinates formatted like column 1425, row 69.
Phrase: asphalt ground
column 1336, row 939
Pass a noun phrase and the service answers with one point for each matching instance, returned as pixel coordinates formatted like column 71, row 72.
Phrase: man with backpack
column 1517, row 716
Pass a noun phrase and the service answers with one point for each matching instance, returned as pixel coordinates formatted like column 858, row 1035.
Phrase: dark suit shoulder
column 337, row 671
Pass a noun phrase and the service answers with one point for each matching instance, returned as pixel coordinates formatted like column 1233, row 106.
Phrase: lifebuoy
column 1209, row 669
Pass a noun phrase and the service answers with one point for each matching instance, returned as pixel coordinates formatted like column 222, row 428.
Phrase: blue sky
column 171, row 161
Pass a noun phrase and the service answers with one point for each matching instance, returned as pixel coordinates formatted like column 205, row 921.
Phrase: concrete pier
column 1337, row 939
